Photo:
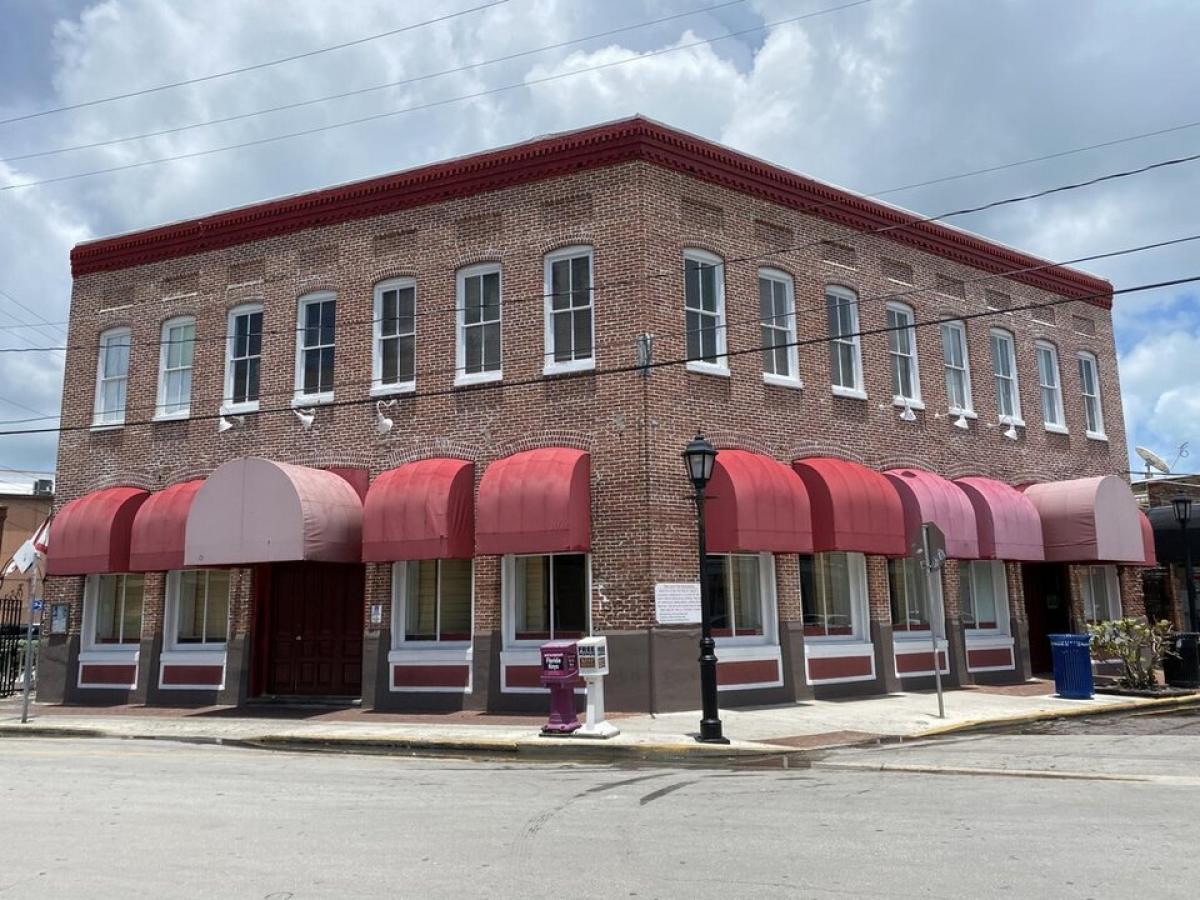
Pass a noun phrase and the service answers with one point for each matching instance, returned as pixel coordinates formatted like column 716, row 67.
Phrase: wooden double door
column 314, row 620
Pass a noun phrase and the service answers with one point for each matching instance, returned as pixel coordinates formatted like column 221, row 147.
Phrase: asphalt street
column 101, row 818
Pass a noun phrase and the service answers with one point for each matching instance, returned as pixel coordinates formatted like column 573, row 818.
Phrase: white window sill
column 1097, row 436
column 117, row 653
column 434, row 652
column 852, row 393
column 1057, row 429
column 108, row 427
column 465, row 379
column 783, row 381
column 916, row 642
column 746, row 646
column 210, row 655
column 173, row 417
column 832, row 647
column 706, row 368
column 901, row 402
column 393, row 390
column 965, row 413
column 304, row 401
column 987, row 640
column 576, row 365
column 238, row 409
column 1014, row 421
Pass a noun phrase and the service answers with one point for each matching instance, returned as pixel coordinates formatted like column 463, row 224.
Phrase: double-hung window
column 569, row 309
column 314, row 348
column 243, row 356
column 1051, row 386
column 395, row 357
column 958, row 368
column 704, row 302
column 1093, row 412
column 1101, row 594
column 1004, row 368
column 112, row 377
column 432, row 599
column 549, row 597
column 741, row 586
column 175, row 368
column 910, row 595
column 198, row 609
column 479, row 346
column 833, row 593
column 984, row 596
column 902, row 350
column 114, row 615
column 845, row 351
column 776, row 306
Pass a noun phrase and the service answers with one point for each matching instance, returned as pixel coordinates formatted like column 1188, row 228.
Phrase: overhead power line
column 141, row 92
column 626, row 369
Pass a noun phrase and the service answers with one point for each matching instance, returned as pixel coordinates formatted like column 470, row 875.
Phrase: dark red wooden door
column 1047, row 608
column 316, row 629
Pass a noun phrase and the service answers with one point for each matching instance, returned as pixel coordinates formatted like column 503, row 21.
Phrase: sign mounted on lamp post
column 930, row 550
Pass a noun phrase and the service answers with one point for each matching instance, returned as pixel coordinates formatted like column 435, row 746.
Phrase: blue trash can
column 1072, row 666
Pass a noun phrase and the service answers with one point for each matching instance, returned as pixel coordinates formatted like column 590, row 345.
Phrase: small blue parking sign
column 37, row 604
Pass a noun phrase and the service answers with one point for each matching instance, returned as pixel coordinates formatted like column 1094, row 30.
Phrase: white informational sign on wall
column 677, row 602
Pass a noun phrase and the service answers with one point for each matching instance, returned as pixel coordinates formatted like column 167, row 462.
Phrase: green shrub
column 1140, row 646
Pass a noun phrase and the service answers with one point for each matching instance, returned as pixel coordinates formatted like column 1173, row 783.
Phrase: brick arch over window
column 429, row 448
column 834, row 451
column 574, row 239
column 537, row 440
column 477, row 258
column 904, row 461
column 702, row 245
column 736, row 440
column 787, row 268
column 386, row 273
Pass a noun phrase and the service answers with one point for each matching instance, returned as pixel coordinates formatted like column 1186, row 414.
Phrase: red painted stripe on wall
column 918, row 662
column 528, row 676
column 100, row 674
column 995, row 656
column 823, row 668
column 748, row 671
column 209, row 676
column 431, row 676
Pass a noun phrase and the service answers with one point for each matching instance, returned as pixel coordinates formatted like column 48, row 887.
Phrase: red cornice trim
column 560, row 155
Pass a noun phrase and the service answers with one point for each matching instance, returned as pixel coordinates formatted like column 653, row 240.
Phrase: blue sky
column 883, row 94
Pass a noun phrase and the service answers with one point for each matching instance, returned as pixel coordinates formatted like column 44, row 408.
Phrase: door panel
column 1047, row 608
column 316, row 630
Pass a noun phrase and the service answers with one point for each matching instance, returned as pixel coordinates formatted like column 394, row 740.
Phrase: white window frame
column 508, row 611
column 1088, row 360
column 400, row 607
column 171, row 617
column 102, row 417
column 1058, row 425
column 787, row 329
column 856, row 391
column 937, row 606
column 302, row 398
column 959, row 331
column 967, row 571
column 769, row 607
column 165, row 344
column 91, row 596
column 721, row 366
column 1010, row 345
column 378, row 387
column 1112, row 585
column 228, row 405
column 903, row 309
column 550, row 365
column 461, row 375
column 856, row 568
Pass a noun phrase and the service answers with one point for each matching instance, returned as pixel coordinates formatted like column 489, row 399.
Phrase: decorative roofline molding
column 636, row 139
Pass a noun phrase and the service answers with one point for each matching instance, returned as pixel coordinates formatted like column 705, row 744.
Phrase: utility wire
column 250, row 68
column 626, row 369
column 374, row 88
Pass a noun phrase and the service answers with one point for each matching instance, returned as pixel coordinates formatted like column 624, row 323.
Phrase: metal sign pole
column 931, row 570
column 33, row 593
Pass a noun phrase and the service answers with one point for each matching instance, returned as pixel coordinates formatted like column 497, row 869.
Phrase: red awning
column 927, row 497
column 1009, row 525
column 756, row 505
column 1150, row 556
column 254, row 510
column 90, row 535
column 1089, row 520
column 421, row 510
column 538, row 501
column 853, row 508
column 156, row 544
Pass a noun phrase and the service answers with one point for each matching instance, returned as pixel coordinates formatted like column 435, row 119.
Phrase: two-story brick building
column 384, row 439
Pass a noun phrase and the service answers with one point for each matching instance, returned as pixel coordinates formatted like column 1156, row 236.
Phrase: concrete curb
column 914, row 768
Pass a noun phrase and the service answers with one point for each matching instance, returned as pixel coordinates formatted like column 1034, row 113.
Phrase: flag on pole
column 30, row 551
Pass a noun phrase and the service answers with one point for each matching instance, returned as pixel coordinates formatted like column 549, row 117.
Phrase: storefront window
column 910, row 598
column 435, row 600
column 199, row 599
column 117, row 609
column 834, row 595
column 1101, row 594
column 735, row 587
column 984, row 596
column 550, row 597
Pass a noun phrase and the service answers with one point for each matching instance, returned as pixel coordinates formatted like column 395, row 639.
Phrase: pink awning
column 1008, row 523
column 853, row 508
column 538, row 501
column 1149, row 555
column 254, row 510
column 421, row 510
column 90, row 535
column 756, row 505
column 160, row 527
column 927, row 497
column 1089, row 520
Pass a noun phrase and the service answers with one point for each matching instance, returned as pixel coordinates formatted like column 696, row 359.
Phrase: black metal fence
column 12, row 642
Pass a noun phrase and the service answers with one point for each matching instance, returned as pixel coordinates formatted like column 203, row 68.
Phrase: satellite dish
column 1152, row 460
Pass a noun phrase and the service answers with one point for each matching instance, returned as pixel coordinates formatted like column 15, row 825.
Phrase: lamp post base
column 710, row 732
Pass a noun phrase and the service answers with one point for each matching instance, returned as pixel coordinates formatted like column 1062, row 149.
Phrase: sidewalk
column 758, row 734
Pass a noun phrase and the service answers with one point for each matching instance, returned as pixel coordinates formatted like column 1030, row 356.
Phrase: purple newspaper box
column 560, row 672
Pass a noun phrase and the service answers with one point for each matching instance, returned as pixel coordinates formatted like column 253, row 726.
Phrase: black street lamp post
column 1183, row 514
column 699, row 457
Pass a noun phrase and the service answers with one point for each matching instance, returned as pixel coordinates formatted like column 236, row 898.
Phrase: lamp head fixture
column 907, row 415
column 227, row 422
column 1183, row 510
column 1011, row 433
column 306, row 417
column 383, row 424
column 699, row 456
column 961, row 422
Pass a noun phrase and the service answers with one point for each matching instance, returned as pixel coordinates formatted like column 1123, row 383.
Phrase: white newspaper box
column 592, row 653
